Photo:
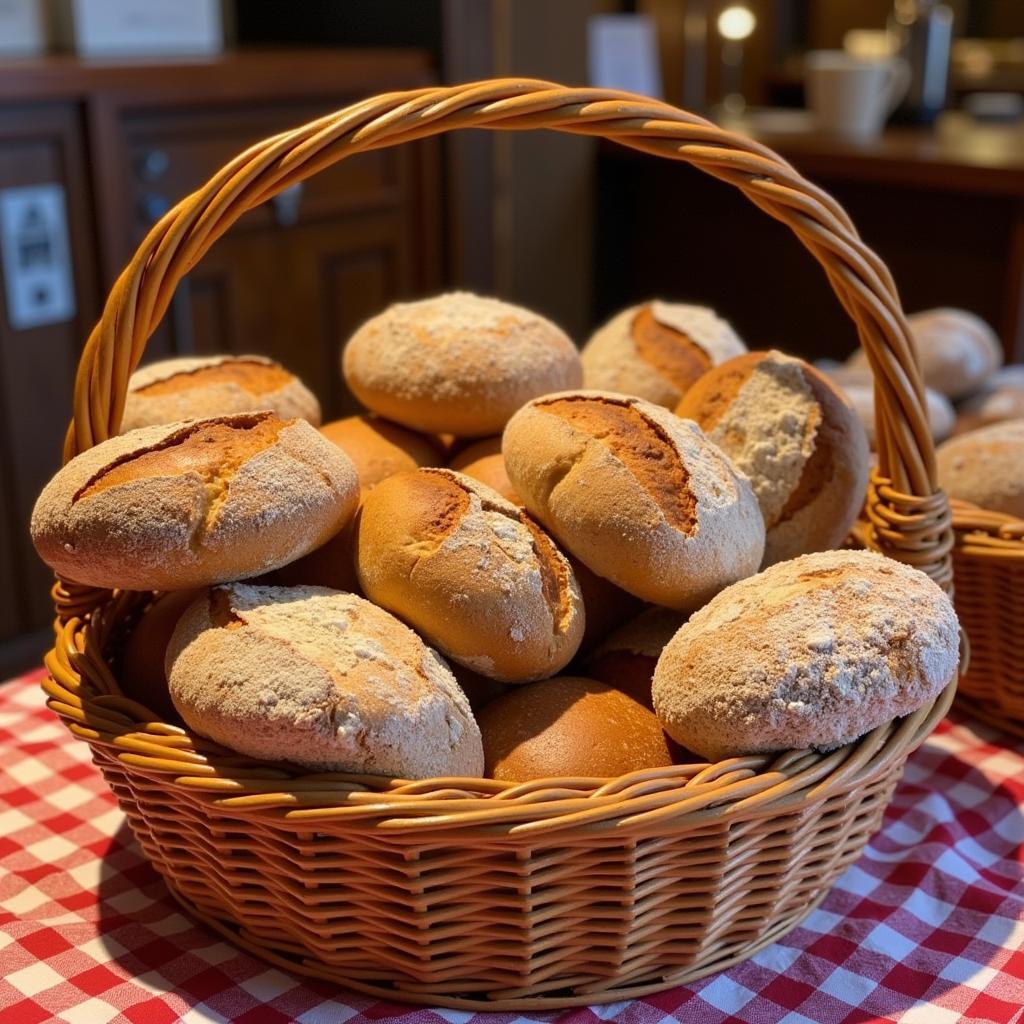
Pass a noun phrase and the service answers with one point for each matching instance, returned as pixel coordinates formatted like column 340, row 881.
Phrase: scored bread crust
column 798, row 439
column 612, row 361
column 813, row 652
column 293, row 400
column 586, row 491
column 986, row 467
column 471, row 573
column 172, row 531
column 457, row 363
column 322, row 679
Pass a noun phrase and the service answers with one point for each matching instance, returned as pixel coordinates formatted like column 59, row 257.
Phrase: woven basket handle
column 908, row 519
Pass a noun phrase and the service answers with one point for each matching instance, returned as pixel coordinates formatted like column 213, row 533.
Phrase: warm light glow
column 736, row 22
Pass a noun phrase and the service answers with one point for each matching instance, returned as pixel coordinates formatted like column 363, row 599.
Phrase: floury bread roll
column 986, row 467
column 958, row 350
column 320, row 678
column 472, row 573
column 813, row 652
column 483, row 461
column 657, row 350
column 638, row 495
column 457, row 363
column 190, row 504
column 379, row 449
column 569, row 726
column 798, row 440
column 197, row 388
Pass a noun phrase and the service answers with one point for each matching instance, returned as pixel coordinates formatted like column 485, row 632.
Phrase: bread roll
column 657, row 350
column 483, row 461
column 798, row 440
column 471, row 572
column 379, row 449
column 813, row 652
column 958, row 350
column 143, row 676
column 189, row 504
column 569, row 727
column 457, row 363
column 636, row 494
column 858, row 387
column 199, row 387
column 986, row 467
column 321, row 679
column 1002, row 398
column 627, row 658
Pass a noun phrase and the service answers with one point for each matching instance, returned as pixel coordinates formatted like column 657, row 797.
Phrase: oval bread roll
column 986, row 467
column 657, row 350
column 483, row 461
column 190, row 504
column 1002, row 398
column 322, row 679
column 379, row 449
column 796, row 437
column 471, row 572
column 958, row 350
column 569, row 726
column 457, row 363
column 638, row 495
column 199, row 387
column 813, row 652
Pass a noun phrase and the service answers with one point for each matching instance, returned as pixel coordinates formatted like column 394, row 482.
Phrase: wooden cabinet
column 291, row 279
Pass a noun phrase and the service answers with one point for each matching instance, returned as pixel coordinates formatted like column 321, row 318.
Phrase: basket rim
column 986, row 533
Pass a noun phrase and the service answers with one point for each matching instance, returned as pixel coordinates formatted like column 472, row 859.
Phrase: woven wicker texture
column 466, row 892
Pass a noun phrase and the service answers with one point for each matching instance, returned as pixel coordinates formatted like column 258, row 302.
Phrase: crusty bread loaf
column 657, row 350
column 986, row 467
column 190, row 504
column 143, row 676
column 636, row 494
column 569, row 727
column 627, row 658
column 457, row 363
column 796, row 437
column 322, row 679
column 483, row 461
column 379, row 448
column 957, row 350
column 470, row 572
column 199, row 387
column 1002, row 398
column 813, row 652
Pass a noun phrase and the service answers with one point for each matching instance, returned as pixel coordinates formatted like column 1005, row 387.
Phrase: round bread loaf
column 471, row 572
column 1002, row 398
column 483, row 461
column 638, row 495
column 813, row 652
column 457, row 363
column 657, row 350
column 322, row 679
column 798, row 440
column 627, row 658
column 379, row 449
column 569, row 727
column 143, row 676
column 986, row 467
column 958, row 351
column 199, row 387
column 190, row 504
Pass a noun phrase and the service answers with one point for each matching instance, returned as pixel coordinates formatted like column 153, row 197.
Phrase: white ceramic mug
column 853, row 96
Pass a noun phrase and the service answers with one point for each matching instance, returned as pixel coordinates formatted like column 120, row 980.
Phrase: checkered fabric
column 926, row 928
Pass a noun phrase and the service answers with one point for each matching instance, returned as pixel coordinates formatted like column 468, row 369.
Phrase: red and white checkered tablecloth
column 926, row 928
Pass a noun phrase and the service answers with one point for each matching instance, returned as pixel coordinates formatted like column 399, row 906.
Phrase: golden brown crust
column 569, row 726
column 672, row 353
column 470, row 572
column 190, row 504
column 256, row 378
column 379, row 448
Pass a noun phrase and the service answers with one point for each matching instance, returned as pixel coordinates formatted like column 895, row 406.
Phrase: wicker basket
column 470, row 892
column 988, row 565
